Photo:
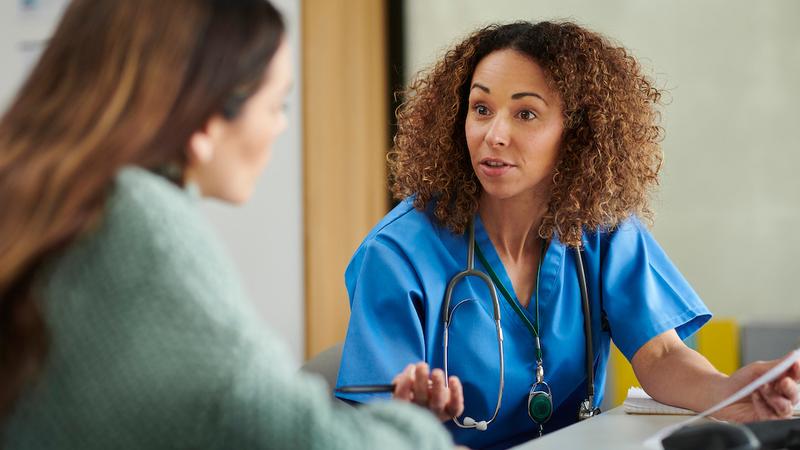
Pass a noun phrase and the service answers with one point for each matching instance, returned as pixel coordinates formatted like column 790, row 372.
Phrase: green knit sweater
column 153, row 345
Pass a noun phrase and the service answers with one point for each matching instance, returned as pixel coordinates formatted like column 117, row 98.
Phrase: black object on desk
column 712, row 436
column 777, row 434
column 766, row 435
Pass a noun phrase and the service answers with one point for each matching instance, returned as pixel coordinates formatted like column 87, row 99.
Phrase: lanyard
column 534, row 330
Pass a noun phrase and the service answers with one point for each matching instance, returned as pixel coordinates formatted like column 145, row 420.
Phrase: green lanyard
column 534, row 330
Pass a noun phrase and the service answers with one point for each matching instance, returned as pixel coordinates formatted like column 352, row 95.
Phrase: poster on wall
column 36, row 20
column 38, row 7
column 25, row 27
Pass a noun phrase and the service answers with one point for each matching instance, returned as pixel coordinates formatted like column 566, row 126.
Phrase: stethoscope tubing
column 587, row 324
column 587, row 406
column 448, row 316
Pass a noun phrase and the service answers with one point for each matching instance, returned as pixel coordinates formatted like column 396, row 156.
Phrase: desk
column 612, row 429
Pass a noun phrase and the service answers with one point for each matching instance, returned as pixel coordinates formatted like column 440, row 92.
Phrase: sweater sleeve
column 254, row 399
column 268, row 404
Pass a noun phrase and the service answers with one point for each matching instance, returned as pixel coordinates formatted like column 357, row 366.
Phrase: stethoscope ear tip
column 471, row 423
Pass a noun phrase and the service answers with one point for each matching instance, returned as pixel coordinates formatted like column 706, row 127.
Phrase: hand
column 774, row 400
column 416, row 384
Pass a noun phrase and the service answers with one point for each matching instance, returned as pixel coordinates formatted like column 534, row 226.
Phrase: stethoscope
column 540, row 398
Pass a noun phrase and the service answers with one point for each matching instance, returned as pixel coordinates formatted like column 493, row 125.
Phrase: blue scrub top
column 396, row 282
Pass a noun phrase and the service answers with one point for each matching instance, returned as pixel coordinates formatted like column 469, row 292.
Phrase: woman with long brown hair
column 122, row 322
column 527, row 154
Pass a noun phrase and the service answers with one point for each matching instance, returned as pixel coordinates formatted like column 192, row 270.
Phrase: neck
column 513, row 224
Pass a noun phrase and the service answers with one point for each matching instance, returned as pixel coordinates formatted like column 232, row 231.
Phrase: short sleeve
column 644, row 294
column 385, row 332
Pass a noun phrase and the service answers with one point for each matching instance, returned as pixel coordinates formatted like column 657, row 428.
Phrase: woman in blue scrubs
column 544, row 139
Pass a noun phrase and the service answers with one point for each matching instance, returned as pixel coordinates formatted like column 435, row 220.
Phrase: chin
column 240, row 198
column 499, row 193
column 235, row 196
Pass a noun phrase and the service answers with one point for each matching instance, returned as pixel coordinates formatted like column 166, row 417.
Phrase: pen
column 365, row 388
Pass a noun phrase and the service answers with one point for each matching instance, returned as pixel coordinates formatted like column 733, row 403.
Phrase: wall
column 22, row 33
column 264, row 236
column 729, row 202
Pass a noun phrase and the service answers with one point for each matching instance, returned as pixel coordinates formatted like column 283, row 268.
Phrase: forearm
column 674, row 374
column 266, row 405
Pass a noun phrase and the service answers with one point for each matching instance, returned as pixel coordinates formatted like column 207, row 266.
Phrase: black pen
column 365, row 388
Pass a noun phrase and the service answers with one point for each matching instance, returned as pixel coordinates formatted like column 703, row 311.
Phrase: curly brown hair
column 610, row 156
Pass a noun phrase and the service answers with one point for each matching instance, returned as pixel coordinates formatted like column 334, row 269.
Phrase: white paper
column 655, row 440
column 638, row 402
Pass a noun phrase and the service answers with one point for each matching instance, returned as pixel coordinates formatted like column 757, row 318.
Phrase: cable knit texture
column 154, row 345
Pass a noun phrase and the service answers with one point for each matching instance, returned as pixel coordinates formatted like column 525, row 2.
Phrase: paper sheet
column 654, row 441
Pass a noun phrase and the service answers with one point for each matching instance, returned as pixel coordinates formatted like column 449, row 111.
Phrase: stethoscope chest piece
column 540, row 403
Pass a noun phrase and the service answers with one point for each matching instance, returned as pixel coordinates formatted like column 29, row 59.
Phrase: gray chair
column 326, row 364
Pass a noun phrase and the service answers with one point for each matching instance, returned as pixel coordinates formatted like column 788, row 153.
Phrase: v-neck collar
column 550, row 267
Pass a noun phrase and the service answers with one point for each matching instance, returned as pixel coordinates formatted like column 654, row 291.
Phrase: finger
column 421, row 380
column 776, row 399
column 439, row 394
column 455, row 407
column 779, row 405
column 402, row 374
column 763, row 410
column 404, row 384
column 787, row 387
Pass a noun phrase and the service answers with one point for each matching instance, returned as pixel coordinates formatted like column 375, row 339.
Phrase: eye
column 527, row 115
column 481, row 110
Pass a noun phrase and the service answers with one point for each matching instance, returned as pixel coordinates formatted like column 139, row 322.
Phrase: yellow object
column 621, row 376
column 718, row 341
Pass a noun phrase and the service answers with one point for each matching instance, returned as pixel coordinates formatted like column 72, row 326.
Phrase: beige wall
column 729, row 204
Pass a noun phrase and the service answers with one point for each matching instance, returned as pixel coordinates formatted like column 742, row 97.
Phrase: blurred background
column 727, row 212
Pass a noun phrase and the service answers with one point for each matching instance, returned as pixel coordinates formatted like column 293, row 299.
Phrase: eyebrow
column 516, row 96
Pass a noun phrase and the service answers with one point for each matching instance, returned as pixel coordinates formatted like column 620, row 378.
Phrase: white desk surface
column 612, row 429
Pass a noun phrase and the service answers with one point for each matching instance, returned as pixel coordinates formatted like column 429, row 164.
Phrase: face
column 513, row 126
column 227, row 156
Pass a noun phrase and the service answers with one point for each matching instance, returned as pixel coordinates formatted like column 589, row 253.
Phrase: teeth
column 494, row 164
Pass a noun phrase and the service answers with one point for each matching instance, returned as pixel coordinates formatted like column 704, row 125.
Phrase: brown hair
column 120, row 82
column 610, row 156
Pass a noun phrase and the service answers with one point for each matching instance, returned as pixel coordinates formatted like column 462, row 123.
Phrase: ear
column 204, row 142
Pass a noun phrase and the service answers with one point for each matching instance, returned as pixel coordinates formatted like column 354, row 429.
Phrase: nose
column 499, row 133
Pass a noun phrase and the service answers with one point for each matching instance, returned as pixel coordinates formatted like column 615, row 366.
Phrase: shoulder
column 402, row 220
column 628, row 234
column 152, row 237
column 142, row 202
column 405, row 239
column 404, row 227
column 147, row 307
column 630, row 248
column 148, row 211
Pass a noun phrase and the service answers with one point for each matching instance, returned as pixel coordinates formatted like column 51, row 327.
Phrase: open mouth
column 495, row 163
